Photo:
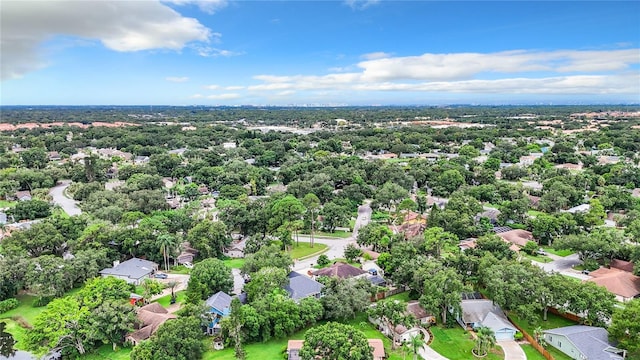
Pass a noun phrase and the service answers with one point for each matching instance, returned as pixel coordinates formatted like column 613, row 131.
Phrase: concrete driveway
column 512, row 351
column 182, row 280
column 563, row 265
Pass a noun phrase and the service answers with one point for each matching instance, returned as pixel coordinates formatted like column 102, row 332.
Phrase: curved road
column 69, row 206
column 336, row 245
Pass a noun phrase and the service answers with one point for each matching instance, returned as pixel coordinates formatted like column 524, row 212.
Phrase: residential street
column 336, row 245
column 563, row 265
column 69, row 206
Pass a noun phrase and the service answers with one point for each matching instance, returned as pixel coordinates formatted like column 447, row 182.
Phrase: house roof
column 21, row 194
column 416, row 310
column 295, row 344
column 377, row 280
column 340, row 270
column 497, row 322
column 374, row 255
column 622, row 265
column 220, row 302
column 134, row 268
column 150, row 317
column 617, row 281
column 593, row 342
column 517, row 236
column 300, row 286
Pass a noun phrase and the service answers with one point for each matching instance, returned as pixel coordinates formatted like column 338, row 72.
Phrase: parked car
column 188, row 265
column 586, row 272
column 541, row 252
column 160, row 275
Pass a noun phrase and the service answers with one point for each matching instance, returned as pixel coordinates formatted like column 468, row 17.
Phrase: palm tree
column 172, row 285
column 415, row 343
column 166, row 243
column 485, row 340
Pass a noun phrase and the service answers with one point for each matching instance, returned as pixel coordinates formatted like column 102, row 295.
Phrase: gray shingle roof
column 220, row 301
column 592, row 341
column 133, row 268
column 300, row 286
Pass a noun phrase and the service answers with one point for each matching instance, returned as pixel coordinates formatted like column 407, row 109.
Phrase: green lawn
column 25, row 310
column 403, row 296
column 553, row 321
column 553, row 251
column 234, row 263
column 5, row 204
column 165, row 301
column 535, row 213
column 105, row 352
column 17, row 331
column 180, row 269
column 456, row 344
column 538, row 258
column 531, row 352
column 340, row 234
column 275, row 348
column 302, row 249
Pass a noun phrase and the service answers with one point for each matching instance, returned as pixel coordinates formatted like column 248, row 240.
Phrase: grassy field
column 275, row 348
column 531, row 352
column 538, row 258
column 25, row 310
column 553, row 321
column 165, row 301
column 7, row 204
column 340, row 234
column 17, row 331
column 234, row 263
column 456, row 344
column 180, row 269
column 553, row 251
column 105, row 352
column 302, row 249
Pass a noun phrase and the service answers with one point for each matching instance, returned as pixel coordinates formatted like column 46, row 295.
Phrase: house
column 483, row 312
column 402, row 332
column 489, row 213
column 23, row 195
column 583, row 208
column 236, row 249
column 187, row 254
column 419, row 313
column 150, row 318
column 54, row 156
column 301, row 287
column 294, row 346
column 469, row 243
column 618, row 279
column 582, row 342
column 3, row 217
column 219, row 306
column 141, row 160
column 517, row 237
column 340, row 270
column 133, row 271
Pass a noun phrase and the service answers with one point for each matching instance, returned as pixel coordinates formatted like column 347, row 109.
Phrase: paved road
column 68, row 205
column 512, row 351
column 564, row 266
column 336, row 245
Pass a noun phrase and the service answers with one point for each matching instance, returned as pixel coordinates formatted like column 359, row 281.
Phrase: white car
column 188, row 265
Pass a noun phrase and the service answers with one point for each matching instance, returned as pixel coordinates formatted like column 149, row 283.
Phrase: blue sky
column 218, row 52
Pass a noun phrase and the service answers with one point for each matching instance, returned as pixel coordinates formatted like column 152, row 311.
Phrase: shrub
column 323, row 260
column 9, row 304
column 518, row 336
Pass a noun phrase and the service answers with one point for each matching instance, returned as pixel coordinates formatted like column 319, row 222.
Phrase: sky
column 318, row 53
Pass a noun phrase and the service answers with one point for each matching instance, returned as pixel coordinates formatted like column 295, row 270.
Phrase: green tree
column 207, row 278
column 448, row 182
column 625, row 328
column 209, row 238
column 265, row 257
column 391, row 313
column 30, row 210
column 351, row 252
column 150, row 288
column 333, row 215
column 485, row 340
column 111, row 321
column 415, row 344
column 335, row 341
column 344, row 298
column 103, row 289
column 168, row 244
column 179, row 339
column 442, row 290
column 265, row 281
column 312, row 204
column 436, row 239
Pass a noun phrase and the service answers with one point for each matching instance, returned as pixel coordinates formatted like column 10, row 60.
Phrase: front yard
column 456, row 344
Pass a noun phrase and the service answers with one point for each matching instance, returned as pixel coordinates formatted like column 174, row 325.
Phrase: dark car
column 160, row 275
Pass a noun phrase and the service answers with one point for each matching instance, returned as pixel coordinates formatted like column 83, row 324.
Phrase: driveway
column 182, row 280
column 564, row 266
column 69, row 206
column 512, row 351
column 336, row 245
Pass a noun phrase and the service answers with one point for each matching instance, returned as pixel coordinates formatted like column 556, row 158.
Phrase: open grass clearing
column 456, row 344
column 7, row 204
column 234, row 263
column 303, row 249
column 553, row 321
column 25, row 310
column 340, row 234
column 165, row 301
column 531, row 352
column 553, row 251
column 538, row 258
column 105, row 352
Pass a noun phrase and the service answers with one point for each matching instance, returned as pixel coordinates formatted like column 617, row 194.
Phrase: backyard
column 553, row 321
column 456, row 344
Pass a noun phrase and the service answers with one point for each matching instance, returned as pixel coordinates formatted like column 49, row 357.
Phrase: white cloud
column 375, row 55
column 212, row 87
column 177, row 79
column 516, row 72
column 360, row 4
column 234, row 88
column 119, row 25
column 208, row 6
column 207, row 51
column 228, row 96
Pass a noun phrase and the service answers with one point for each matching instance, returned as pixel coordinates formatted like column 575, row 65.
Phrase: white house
column 581, row 342
column 133, row 271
